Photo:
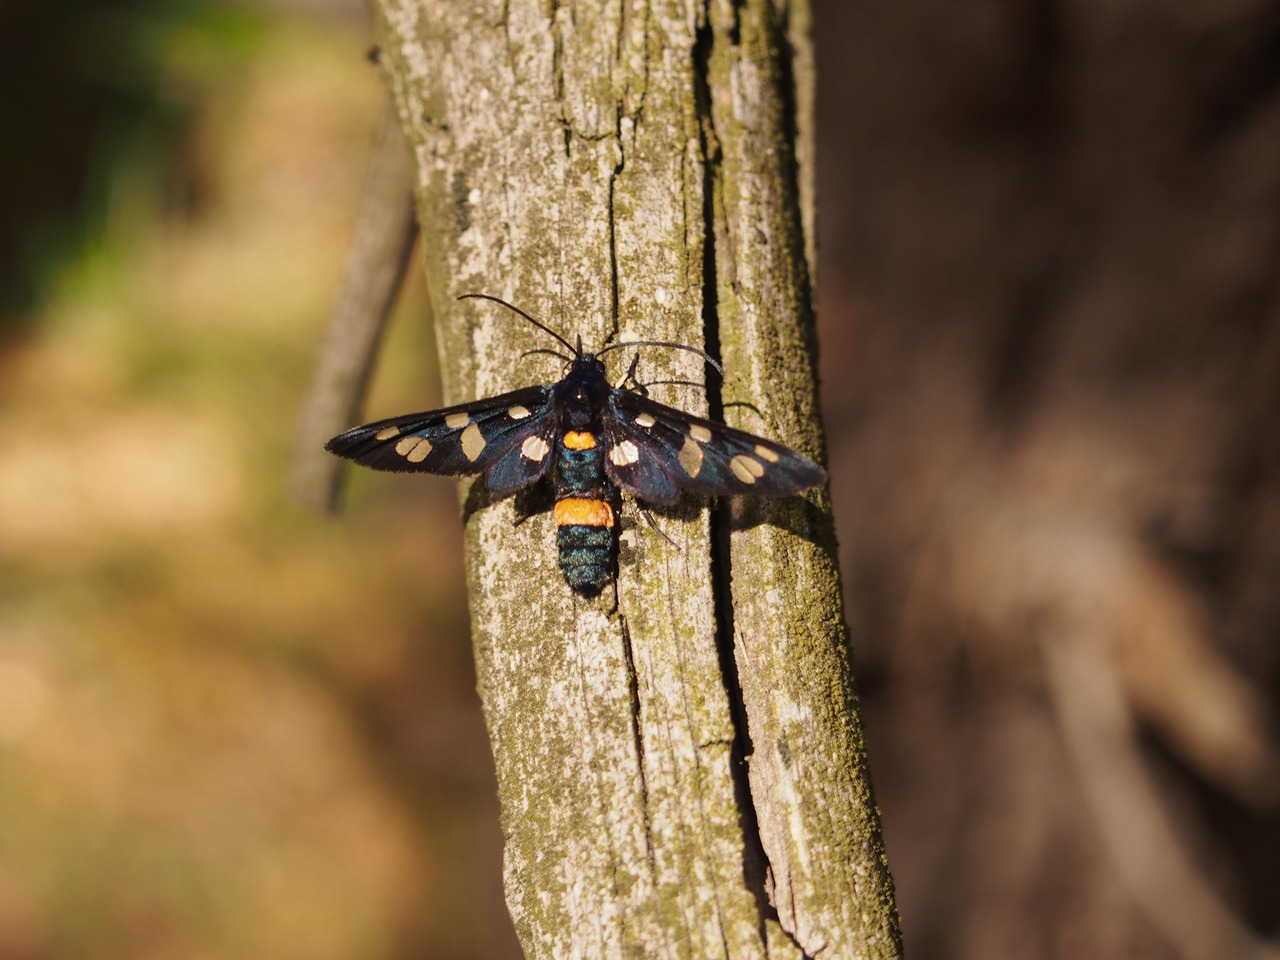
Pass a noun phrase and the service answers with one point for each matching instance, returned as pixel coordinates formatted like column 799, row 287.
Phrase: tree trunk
column 680, row 764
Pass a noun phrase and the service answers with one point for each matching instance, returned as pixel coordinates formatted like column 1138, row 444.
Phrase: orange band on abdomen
column 581, row 512
column 579, row 440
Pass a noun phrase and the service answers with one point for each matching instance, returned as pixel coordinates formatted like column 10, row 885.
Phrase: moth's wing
column 527, row 456
column 654, row 451
column 636, row 458
column 455, row 441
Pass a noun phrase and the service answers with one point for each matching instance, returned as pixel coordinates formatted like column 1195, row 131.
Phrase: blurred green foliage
column 96, row 100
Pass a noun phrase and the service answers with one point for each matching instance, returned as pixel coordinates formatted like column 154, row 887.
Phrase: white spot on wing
column 691, row 457
column 456, row 421
column 645, row 420
column 386, row 433
column 624, row 453
column 699, row 432
column 746, row 468
column 472, row 442
column 518, row 412
column 764, row 453
column 414, row 449
column 534, row 448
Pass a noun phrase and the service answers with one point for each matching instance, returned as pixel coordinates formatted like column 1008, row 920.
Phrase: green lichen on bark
column 596, row 164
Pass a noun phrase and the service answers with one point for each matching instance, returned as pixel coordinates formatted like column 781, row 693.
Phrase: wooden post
column 680, row 765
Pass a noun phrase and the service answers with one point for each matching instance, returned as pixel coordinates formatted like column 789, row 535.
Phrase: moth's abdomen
column 587, row 540
column 586, row 525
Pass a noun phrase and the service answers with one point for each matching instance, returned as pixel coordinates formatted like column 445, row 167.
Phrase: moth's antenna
column 663, row 343
column 541, row 326
column 549, row 353
column 675, row 383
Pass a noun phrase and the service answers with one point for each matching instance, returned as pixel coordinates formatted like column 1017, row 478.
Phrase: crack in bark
column 755, row 862
column 735, row 30
column 633, row 689
column 557, row 75
column 504, row 24
column 638, row 109
column 786, row 85
column 613, row 224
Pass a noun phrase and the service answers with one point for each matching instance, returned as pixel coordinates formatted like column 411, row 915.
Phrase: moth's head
column 587, row 367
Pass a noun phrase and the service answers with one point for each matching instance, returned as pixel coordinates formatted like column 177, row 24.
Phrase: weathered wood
column 809, row 784
column 626, row 170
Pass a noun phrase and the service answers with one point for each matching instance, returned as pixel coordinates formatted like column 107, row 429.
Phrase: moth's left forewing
column 690, row 453
column 453, row 441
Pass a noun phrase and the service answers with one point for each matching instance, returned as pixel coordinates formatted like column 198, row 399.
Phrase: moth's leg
column 644, row 512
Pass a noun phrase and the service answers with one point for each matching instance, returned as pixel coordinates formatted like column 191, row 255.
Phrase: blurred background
column 1048, row 306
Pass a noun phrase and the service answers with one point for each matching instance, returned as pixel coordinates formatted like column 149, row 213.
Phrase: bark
column 680, row 764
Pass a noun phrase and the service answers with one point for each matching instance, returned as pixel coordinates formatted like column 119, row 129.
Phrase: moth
column 592, row 440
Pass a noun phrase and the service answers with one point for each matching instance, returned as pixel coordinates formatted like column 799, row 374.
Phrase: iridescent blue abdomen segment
column 586, row 533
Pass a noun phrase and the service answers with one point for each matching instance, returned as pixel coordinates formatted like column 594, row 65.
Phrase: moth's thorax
column 583, row 393
column 586, row 535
